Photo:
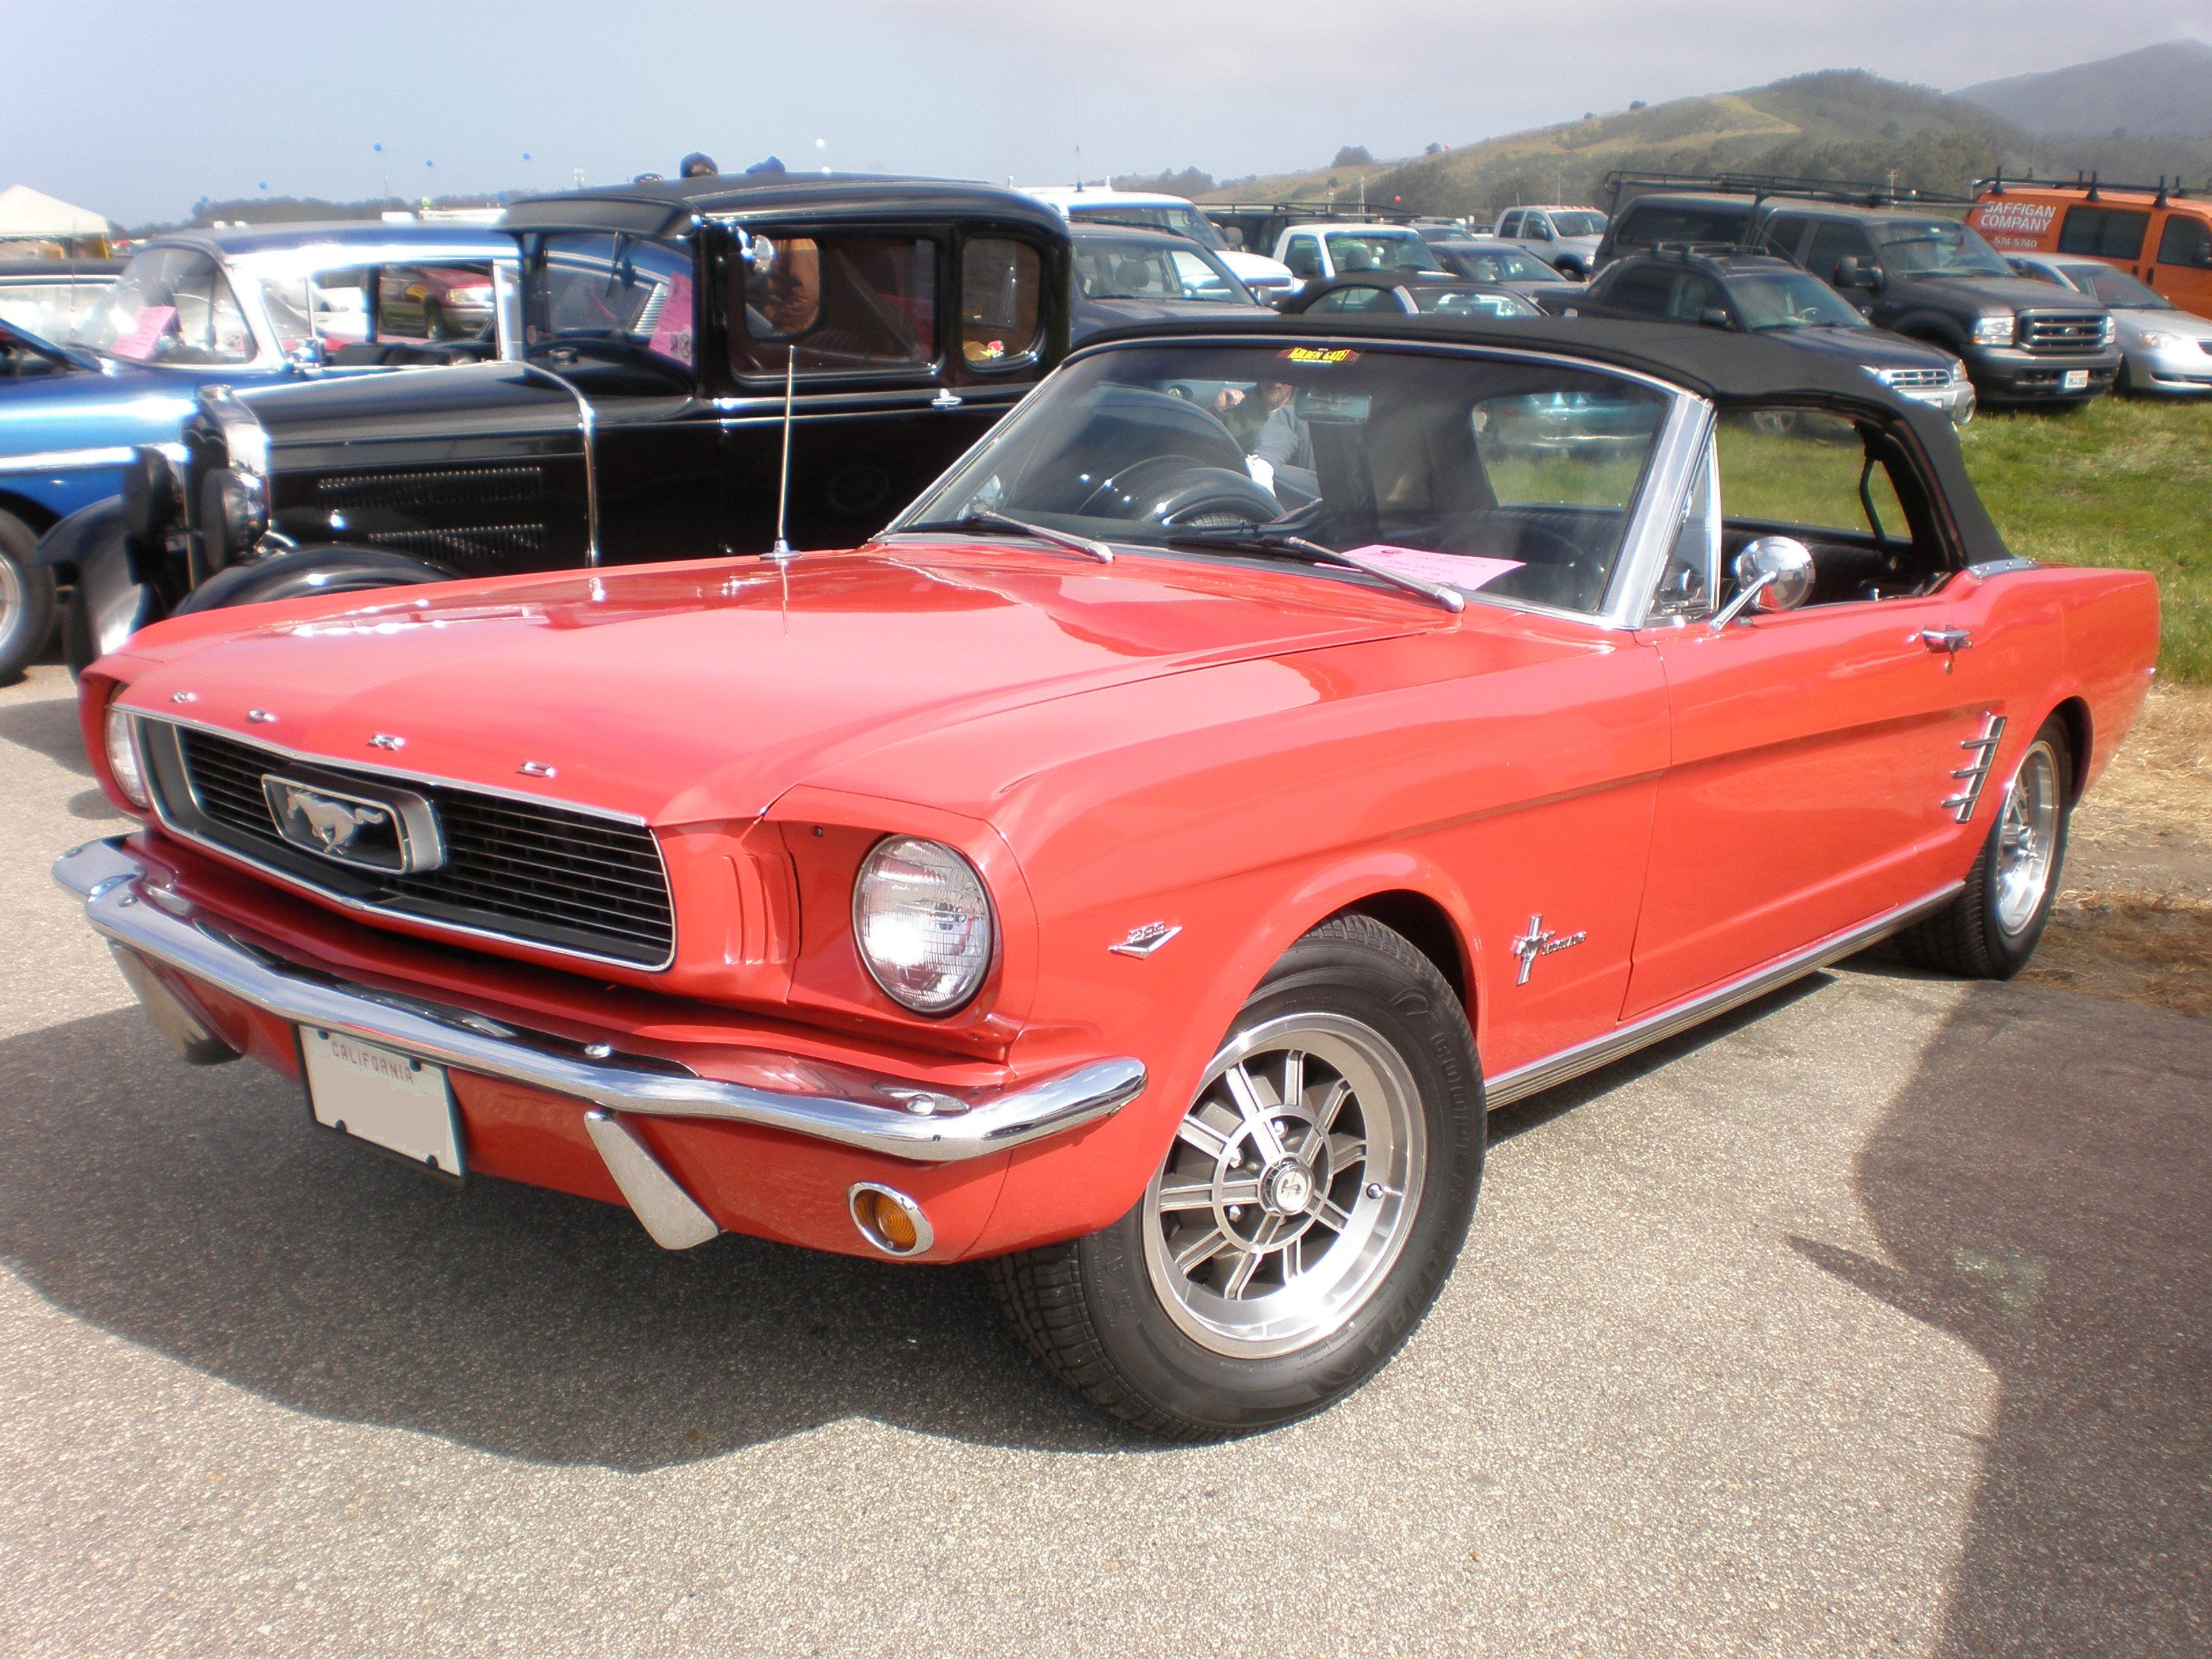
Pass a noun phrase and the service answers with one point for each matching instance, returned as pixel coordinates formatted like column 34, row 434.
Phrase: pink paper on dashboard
column 1467, row 570
column 145, row 333
column 671, row 335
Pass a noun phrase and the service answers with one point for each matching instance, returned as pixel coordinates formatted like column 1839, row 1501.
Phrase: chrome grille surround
column 572, row 881
column 1915, row 379
column 2062, row 332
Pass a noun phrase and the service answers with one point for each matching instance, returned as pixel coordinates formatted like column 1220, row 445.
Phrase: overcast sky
column 137, row 109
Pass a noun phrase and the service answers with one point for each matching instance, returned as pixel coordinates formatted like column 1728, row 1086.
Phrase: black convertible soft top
column 1734, row 370
column 662, row 207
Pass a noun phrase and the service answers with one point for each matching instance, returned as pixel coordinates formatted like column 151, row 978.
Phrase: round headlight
column 123, row 757
column 233, row 510
column 922, row 922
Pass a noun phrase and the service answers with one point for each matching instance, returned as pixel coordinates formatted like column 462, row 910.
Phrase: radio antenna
column 781, row 552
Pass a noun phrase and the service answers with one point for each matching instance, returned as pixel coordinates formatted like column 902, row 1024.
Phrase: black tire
column 1971, row 936
column 1093, row 1309
column 27, row 600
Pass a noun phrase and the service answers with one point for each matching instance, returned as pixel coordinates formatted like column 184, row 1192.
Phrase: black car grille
column 2062, row 332
column 439, row 514
column 488, row 550
column 540, row 875
column 434, row 487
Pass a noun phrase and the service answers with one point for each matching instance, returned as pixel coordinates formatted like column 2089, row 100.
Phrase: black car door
column 1835, row 240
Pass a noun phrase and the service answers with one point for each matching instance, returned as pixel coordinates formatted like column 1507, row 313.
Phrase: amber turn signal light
column 889, row 1220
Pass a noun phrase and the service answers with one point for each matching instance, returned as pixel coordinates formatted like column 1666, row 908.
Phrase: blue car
column 248, row 305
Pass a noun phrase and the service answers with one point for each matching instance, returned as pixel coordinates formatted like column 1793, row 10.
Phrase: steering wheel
column 1172, row 489
column 1554, row 570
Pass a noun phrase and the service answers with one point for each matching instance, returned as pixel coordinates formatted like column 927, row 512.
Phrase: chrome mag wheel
column 2028, row 840
column 1291, row 1185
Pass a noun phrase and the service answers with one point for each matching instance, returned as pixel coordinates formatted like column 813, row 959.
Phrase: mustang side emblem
column 1539, row 941
column 393, row 831
column 1143, row 941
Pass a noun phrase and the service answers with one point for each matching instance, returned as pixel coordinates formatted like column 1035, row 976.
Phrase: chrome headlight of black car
column 922, row 922
column 234, row 509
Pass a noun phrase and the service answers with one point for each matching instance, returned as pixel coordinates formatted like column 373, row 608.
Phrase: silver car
column 2166, row 348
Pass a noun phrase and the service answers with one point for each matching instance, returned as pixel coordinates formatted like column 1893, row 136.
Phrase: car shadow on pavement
column 197, row 1214
column 49, row 727
column 2040, row 1193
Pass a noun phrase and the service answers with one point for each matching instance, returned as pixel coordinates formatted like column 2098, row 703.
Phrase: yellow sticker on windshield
column 1320, row 355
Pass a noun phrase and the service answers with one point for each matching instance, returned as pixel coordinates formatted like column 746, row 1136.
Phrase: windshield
column 619, row 299
column 1937, row 247
column 1184, row 220
column 1790, row 298
column 1479, row 263
column 172, row 306
column 1107, row 268
column 53, row 311
column 2117, row 288
column 1380, row 250
column 1578, row 224
column 1506, row 479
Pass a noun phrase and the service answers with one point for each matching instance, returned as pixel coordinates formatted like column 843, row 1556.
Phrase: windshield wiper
column 989, row 518
column 1263, row 540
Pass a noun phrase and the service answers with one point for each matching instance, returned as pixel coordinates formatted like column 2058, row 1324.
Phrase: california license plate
column 386, row 1098
column 2077, row 379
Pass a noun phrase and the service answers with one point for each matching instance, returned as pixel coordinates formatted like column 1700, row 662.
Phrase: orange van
column 2157, row 233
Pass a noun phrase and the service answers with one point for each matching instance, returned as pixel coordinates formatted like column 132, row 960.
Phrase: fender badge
column 1141, row 942
column 1539, row 941
column 386, row 740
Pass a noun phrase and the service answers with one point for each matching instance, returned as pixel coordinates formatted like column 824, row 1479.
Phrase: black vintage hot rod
column 660, row 327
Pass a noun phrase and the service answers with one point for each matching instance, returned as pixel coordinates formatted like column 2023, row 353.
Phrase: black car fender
column 89, row 551
column 307, row 571
column 1931, row 327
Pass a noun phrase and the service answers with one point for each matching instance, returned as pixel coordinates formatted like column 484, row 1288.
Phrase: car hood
column 2019, row 293
column 46, row 413
column 698, row 692
column 428, row 405
column 1251, row 267
column 2138, row 320
column 1876, row 348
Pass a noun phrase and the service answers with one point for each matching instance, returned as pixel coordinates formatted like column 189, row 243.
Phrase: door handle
column 1947, row 640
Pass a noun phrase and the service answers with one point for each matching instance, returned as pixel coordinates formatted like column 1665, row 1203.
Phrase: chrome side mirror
column 1774, row 573
column 306, row 358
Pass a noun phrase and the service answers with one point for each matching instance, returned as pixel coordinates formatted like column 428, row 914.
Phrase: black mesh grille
column 544, row 875
column 489, row 549
column 434, row 487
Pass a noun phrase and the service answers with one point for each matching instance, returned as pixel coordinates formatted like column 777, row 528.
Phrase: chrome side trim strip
column 1975, row 773
column 587, row 424
column 1570, row 1063
column 895, row 1117
column 1989, row 567
column 670, row 1215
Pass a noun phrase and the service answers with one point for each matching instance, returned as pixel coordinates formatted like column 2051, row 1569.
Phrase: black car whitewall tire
column 27, row 598
column 1990, row 930
column 1313, row 1202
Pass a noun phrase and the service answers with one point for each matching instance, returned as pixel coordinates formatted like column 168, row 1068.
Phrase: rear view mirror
column 1714, row 317
column 1847, row 272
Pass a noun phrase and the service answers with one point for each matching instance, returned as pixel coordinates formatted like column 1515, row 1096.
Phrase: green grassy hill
column 1837, row 124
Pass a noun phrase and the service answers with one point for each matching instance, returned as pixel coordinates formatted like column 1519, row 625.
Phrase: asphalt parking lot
column 1871, row 1320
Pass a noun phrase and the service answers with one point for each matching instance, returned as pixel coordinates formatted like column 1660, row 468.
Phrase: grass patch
column 2125, row 484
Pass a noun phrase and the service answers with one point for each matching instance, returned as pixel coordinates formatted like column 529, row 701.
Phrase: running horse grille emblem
column 1540, row 941
column 391, row 831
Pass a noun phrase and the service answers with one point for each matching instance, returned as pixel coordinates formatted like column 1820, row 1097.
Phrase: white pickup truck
column 1566, row 238
column 1317, row 252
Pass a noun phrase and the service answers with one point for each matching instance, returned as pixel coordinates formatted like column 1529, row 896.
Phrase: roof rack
column 2091, row 186
column 1318, row 210
column 1855, row 192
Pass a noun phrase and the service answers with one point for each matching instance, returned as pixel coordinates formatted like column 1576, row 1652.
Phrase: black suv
column 646, row 417
column 1757, row 294
column 1931, row 278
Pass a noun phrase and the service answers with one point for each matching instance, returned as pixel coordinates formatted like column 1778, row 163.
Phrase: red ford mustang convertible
column 1141, row 865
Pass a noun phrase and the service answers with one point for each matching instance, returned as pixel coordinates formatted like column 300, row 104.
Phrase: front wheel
column 1313, row 1201
column 1990, row 930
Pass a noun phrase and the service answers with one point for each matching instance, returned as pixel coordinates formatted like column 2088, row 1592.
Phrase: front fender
column 306, row 573
column 90, row 551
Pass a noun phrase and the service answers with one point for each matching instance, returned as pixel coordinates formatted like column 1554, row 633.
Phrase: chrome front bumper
column 147, row 922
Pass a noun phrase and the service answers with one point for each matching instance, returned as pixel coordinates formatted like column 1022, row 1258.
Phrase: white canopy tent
column 30, row 216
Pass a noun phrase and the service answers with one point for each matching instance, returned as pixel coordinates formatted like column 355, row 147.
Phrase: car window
column 1180, row 221
column 1579, row 224
column 1939, row 248
column 2106, row 232
column 1832, row 244
column 1201, row 279
column 1778, row 298
column 434, row 302
column 1302, row 256
column 1802, row 471
column 1358, row 300
column 1001, row 302
column 1692, row 575
column 1447, row 300
column 328, row 306
column 1647, row 290
column 172, row 306
column 615, row 309
column 2116, row 287
column 1694, row 296
column 1508, row 478
column 1511, row 224
column 2185, row 241
column 1380, row 250
column 836, row 304
column 1782, row 233
column 53, row 311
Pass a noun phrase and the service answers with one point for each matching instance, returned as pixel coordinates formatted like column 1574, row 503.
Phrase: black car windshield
column 1511, row 479
column 1380, row 250
column 1790, row 298
column 1119, row 268
column 1495, row 264
column 1180, row 221
column 1578, row 224
column 619, row 300
column 2117, row 288
column 1937, row 247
